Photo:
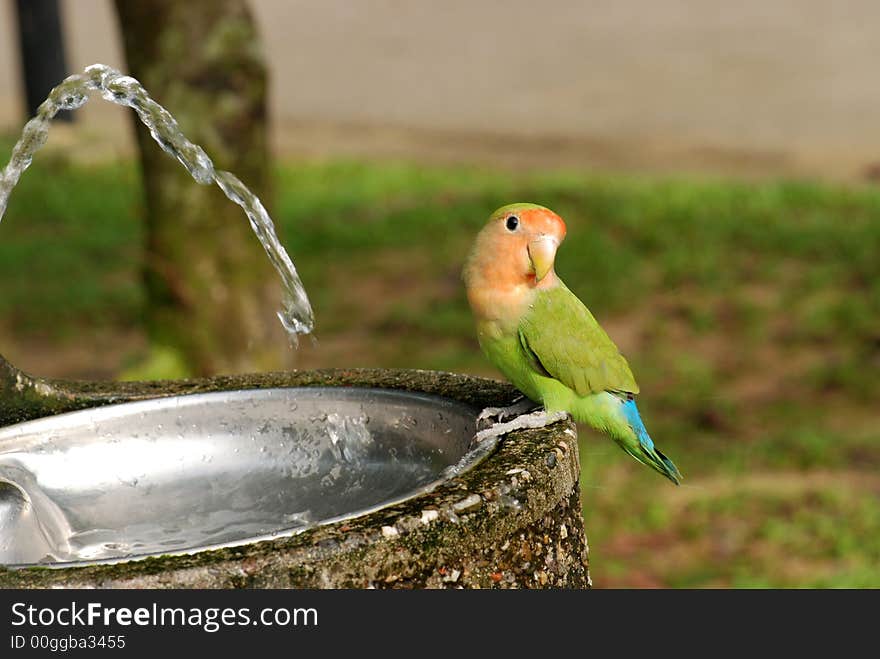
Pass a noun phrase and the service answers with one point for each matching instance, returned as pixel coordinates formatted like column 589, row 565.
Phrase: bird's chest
column 500, row 309
column 503, row 349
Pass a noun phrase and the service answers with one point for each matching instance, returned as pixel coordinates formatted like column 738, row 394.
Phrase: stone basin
column 401, row 502
column 187, row 473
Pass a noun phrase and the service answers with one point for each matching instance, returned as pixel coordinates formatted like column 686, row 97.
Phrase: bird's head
column 517, row 246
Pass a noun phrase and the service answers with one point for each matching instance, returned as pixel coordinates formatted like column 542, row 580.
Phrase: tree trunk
column 212, row 293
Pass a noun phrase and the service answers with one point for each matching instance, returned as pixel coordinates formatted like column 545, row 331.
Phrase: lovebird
column 542, row 337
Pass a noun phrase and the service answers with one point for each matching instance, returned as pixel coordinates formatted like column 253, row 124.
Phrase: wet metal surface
column 178, row 474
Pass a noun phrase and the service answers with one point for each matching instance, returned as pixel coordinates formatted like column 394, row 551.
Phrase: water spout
column 296, row 314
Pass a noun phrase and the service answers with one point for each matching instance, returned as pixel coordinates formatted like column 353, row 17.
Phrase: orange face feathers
column 537, row 222
column 512, row 256
column 518, row 243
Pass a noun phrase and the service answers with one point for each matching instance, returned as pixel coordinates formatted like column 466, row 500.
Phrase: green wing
column 563, row 340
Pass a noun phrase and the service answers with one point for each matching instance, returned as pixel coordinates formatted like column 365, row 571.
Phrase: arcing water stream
column 296, row 314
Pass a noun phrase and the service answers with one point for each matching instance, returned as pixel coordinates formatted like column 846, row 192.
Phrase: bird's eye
column 512, row 223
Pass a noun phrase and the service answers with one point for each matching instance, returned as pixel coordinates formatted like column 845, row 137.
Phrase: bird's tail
column 640, row 446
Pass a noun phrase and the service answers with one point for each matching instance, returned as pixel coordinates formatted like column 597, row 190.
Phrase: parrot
column 544, row 340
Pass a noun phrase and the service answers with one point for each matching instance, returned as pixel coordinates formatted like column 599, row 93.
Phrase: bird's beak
column 542, row 254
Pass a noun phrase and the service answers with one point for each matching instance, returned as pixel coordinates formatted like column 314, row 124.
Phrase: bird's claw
column 489, row 416
column 493, row 415
column 538, row 419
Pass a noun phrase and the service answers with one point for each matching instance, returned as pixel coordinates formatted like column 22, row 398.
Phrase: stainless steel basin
column 185, row 473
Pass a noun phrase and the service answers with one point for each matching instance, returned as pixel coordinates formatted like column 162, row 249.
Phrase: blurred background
column 717, row 166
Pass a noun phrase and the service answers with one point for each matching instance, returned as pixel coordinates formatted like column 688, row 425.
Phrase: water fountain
column 336, row 478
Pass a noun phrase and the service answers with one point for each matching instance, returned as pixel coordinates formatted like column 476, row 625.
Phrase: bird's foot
column 538, row 419
column 493, row 415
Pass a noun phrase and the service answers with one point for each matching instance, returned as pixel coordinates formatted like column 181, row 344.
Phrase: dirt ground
column 751, row 88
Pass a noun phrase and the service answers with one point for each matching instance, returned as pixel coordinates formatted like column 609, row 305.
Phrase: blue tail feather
column 635, row 421
column 650, row 455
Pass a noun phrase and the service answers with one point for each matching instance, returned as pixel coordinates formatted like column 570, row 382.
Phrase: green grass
column 70, row 245
column 749, row 312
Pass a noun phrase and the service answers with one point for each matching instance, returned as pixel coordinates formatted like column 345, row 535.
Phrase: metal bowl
column 192, row 472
